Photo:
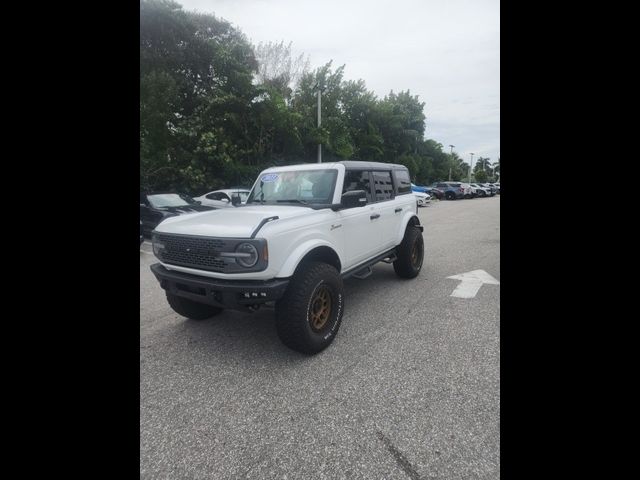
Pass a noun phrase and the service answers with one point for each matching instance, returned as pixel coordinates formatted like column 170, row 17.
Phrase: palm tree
column 483, row 164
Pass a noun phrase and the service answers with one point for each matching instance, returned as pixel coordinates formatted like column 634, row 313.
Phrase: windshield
column 297, row 187
column 170, row 200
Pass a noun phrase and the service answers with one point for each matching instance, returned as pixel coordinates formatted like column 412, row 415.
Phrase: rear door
column 404, row 199
column 389, row 213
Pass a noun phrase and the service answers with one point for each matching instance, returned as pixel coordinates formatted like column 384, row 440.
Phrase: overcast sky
column 445, row 51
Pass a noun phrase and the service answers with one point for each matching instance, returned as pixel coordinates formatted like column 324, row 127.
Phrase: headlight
column 247, row 255
column 158, row 246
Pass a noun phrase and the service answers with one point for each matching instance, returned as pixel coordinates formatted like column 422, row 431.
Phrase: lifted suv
column 303, row 229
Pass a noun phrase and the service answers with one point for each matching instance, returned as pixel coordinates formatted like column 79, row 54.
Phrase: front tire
column 190, row 309
column 450, row 196
column 309, row 314
column 410, row 254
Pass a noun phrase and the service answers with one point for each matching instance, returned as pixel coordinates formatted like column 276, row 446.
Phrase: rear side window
column 403, row 182
column 358, row 180
column 383, row 186
column 217, row 196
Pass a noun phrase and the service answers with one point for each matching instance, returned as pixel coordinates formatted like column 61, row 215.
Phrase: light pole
column 451, row 159
column 317, row 86
column 471, row 166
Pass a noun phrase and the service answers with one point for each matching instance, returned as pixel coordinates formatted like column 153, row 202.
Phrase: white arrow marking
column 471, row 282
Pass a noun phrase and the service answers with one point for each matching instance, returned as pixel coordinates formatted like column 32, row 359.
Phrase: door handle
column 398, row 210
column 374, row 216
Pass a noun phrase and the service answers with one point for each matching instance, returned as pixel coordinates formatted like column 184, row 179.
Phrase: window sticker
column 269, row 177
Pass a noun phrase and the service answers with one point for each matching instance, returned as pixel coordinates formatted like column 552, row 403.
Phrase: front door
column 362, row 237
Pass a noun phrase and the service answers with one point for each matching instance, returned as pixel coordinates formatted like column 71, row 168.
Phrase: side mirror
column 235, row 200
column 354, row 198
column 142, row 205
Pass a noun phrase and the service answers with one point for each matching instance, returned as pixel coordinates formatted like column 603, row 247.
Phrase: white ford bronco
column 302, row 230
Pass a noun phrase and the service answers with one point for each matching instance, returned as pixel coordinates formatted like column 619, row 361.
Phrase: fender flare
column 294, row 259
column 409, row 218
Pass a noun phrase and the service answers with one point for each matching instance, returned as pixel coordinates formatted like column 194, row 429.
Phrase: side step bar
column 363, row 271
column 391, row 258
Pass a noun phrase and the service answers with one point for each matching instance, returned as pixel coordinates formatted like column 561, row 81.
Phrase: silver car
column 222, row 198
column 480, row 190
column 468, row 190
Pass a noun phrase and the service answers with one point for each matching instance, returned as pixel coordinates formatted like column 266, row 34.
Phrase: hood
column 185, row 209
column 239, row 222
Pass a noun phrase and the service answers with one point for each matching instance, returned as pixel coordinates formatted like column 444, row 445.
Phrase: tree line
column 215, row 110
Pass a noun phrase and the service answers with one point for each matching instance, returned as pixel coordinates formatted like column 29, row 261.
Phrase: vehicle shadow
column 252, row 338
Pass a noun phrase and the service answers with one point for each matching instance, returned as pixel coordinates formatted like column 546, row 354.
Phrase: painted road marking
column 471, row 282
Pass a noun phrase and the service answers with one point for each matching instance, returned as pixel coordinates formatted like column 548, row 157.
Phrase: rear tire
column 190, row 309
column 410, row 254
column 309, row 314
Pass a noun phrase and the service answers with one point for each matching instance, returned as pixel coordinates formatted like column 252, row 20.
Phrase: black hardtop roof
column 363, row 165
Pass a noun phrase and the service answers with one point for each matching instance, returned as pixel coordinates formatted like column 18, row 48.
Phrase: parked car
column 155, row 207
column 141, row 234
column 492, row 190
column 451, row 190
column 435, row 192
column 497, row 185
column 432, row 192
column 222, row 198
column 422, row 199
column 469, row 192
column 480, row 190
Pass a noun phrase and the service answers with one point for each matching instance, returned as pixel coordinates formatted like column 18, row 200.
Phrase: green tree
column 334, row 135
column 195, row 94
column 214, row 110
column 278, row 68
column 484, row 165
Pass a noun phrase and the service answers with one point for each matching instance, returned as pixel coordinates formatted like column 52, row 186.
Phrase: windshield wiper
column 293, row 200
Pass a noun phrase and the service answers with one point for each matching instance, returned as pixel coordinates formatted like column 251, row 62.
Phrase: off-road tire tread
column 291, row 309
column 403, row 266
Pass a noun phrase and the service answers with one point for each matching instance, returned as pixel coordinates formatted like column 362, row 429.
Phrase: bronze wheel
column 309, row 314
column 320, row 308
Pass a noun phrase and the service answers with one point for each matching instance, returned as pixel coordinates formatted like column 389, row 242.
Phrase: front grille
column 197, row 252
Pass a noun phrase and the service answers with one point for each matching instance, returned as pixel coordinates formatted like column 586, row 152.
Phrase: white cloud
column 445, row 51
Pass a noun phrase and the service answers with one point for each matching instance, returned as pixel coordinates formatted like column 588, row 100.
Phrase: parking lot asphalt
column 409, row 389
